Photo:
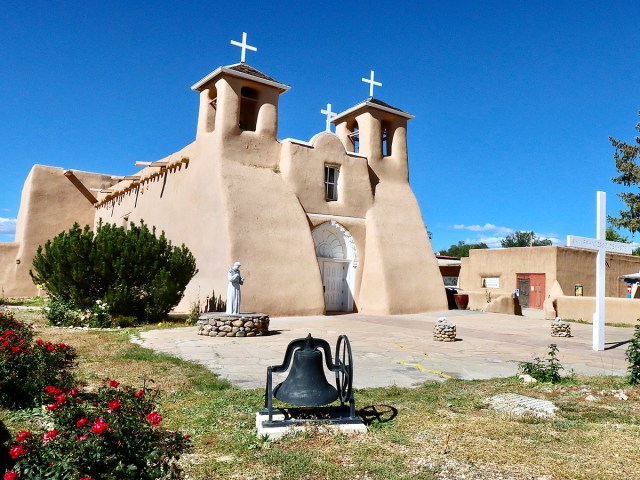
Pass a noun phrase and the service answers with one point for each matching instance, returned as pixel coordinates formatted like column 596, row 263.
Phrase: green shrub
column 633, row 356
column 133, row 271
column 114, row 434
column 544, row 370
column 27, row 367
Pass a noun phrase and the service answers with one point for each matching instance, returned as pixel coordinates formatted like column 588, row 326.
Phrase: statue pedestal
column 220, row 324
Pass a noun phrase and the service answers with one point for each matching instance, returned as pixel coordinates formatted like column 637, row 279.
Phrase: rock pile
column 216, row 324
column 444, row 331
column 560, row 328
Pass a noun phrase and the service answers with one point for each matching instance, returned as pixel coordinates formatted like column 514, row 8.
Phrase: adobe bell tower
column 238, row 98
column 378, row 131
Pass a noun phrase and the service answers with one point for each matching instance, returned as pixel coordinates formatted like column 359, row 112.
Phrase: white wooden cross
column 329, row 115
column 244, row 46
column 602, row 246
column 371, row 83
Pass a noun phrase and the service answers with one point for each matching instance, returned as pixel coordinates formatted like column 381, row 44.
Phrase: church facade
column 320, row 226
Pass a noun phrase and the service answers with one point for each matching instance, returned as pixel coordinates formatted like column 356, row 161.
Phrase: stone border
column 217, row 324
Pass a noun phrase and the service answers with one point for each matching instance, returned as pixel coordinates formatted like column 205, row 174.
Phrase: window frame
column 331, row 184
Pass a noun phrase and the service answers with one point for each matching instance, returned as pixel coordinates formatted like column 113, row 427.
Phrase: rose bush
column 112, row 434
column 27, row 366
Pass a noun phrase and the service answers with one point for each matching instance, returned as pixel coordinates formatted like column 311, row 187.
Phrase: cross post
column 371, row 83
column 602, row 246
column 244, row 46
column 329, row 115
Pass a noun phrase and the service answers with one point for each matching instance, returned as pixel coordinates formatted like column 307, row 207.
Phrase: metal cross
column 244, row 46
column 371, row 83
column 329, row 115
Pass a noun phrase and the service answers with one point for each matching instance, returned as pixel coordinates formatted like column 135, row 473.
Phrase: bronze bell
column 306, row 384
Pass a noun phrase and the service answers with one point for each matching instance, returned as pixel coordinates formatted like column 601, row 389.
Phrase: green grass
column 437, row 430
column 22, row 301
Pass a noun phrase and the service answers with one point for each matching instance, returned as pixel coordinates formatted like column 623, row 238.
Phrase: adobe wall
column 617, row 310
column 578, row 266
column 50, row 203
column 8, row 254
column 506, row 263
column 184, row 201
column 401, row 273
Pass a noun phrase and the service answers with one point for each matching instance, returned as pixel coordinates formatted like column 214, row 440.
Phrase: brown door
column 524, row 285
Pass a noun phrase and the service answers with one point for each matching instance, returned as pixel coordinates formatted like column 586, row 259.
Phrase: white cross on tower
column 371, row 83
column 244, row 46
column 329, row 115
column 602, row 246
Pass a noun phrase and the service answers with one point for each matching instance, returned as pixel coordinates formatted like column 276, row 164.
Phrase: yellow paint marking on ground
column 422, row 369
column 402, row 347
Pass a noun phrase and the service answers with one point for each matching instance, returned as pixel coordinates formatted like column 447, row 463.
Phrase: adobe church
column 320, row 226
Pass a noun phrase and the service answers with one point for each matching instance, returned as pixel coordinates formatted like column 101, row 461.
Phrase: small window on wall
column 490, row 282
column 248, row 109
column 331, row 183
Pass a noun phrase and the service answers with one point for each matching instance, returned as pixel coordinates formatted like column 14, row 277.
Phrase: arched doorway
column 337, row 259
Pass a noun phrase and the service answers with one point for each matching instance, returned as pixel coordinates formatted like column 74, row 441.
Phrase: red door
column 537, row 295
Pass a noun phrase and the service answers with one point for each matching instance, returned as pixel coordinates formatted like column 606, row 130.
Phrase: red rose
column 39, row 341
column 15, row 349
column 62, row 345
column 82, row 438
column 61, row 399
column 23, row 435
column 74, row 392
column 50, row 435
column 50, row 389
column 99, row 426
column 51, row 407
column 154, row 418
column 82, row 422
column 113, row 406
column 139, row 393
column 114, row 383
column 16, row 451
column 10, row 475
column 50, row 347
column 85, row 478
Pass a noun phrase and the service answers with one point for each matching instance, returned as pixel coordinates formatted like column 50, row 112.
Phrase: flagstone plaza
column 399, row 349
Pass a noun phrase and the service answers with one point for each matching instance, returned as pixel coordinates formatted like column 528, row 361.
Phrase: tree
column 626, row 156
column 134, row 271
column 614, row 236
column 524, row 239
column 462, row 249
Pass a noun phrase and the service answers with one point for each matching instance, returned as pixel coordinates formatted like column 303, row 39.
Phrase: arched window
column 354, row 136
column 248, row 109
column 211, row 110
column 386, row 139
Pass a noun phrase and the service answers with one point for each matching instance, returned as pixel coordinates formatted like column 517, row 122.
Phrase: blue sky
column 514, row 101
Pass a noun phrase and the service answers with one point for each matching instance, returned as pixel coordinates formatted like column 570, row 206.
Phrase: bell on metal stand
column 306, row 384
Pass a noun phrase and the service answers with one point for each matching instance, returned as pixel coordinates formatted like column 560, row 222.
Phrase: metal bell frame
column 342, row 366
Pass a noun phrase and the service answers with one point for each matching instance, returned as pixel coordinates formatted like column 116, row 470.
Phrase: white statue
column 233, row 290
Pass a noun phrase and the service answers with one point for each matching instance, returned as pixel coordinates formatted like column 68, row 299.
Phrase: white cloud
column 487, row 227
column 7, row 226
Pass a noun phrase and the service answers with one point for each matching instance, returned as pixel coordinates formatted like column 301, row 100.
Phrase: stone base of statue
column 220, row 324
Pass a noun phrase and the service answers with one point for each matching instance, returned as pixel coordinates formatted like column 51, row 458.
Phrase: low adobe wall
column 617, row 310
column 500, row 302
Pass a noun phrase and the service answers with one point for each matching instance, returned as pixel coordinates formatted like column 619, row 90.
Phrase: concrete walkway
column 399, row 349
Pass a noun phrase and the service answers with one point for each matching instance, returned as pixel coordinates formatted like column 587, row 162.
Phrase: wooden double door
column 532, row 289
